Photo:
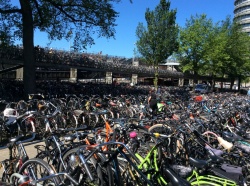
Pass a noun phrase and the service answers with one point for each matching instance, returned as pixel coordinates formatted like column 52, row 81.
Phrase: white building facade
column 242, row 14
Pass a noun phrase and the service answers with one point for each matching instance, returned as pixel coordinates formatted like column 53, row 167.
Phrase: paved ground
column 31, row 151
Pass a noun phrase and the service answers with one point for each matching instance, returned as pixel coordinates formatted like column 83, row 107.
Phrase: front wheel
column 36, row 169
column 102, row 175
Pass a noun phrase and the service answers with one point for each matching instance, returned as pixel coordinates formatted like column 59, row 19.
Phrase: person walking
column 248, row 92
column 152, row 101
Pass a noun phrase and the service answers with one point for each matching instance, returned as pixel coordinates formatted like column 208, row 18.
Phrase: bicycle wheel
column 10, row 168
column 91, row 120
column 36, row 168
column 44, row 156
column 162, row 129
column 129, row 176
column 6, row 174
column 102, row 175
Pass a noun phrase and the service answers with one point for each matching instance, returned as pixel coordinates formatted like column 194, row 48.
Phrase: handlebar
column 157, row 135
column 17, row 141
column 26, row 114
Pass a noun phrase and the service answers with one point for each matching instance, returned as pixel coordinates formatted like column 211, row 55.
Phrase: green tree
column 238, row 48
column 215, row 55
column 60, row 19
column 193, row 43
column 158, row 40
column 6, row 38
column 246, row 80
column 217, row 50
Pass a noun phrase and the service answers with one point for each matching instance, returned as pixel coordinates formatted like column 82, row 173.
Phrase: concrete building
column 242, row 14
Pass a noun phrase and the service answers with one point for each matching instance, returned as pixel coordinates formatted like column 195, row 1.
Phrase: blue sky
column 132, row 14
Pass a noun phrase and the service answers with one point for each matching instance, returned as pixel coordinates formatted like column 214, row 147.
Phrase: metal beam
column 10, row 69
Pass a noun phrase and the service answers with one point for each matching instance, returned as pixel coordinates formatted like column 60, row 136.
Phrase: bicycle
column 130, row 168
column 76, row 165
column 16, row 159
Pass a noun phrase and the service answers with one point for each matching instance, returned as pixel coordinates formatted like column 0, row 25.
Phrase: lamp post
column 134, row 54
column 70, row 35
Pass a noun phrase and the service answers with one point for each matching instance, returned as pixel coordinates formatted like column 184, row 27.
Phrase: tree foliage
column 77, row 19
column 193, row 43
column 158, row 40
column 215, row 56
column 238, row 48
column 217, row 50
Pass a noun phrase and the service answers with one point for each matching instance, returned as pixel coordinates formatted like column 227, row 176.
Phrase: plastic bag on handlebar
column 11, row 124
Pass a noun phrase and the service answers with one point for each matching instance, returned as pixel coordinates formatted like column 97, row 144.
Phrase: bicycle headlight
column 73, row 160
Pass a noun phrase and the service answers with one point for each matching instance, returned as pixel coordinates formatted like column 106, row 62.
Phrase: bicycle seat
column 231, row 137
column 112, row 104
column 174, row 178
column 69, row 137
column 118, row 120
column 78, row 112
column 136, row 126
column 214, row 158
column 93, row 113
column 198, row 163
column 217, row 152
column 71, row 129
column 82, row 127
column 72, row 137
column 102, row 112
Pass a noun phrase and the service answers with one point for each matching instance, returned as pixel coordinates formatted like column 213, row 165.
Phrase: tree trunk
column 195, row 77
column 239, row 82
column 156, row 77
column 29, row 76
column 213, row 84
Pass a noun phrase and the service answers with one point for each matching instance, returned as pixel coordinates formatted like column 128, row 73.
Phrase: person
column 248, row 92
column 152, row 101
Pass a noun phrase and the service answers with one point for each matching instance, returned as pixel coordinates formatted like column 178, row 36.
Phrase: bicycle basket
column 10, row 112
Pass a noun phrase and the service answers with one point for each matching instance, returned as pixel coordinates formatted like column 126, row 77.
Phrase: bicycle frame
column 16, row 159
column 147, row 165
column 196, row 179
column 114, row 159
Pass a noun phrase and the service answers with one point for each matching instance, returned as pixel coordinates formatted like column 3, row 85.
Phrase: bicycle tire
column 6, row 175
column 44, row 169
column 129, row 177
column 162, row 129
column 103, row 176
column 44, row 156
column 91, row 120
column 9, row 171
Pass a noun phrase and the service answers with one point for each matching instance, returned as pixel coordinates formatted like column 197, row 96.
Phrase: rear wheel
column 6, row 174
column 91, row 120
